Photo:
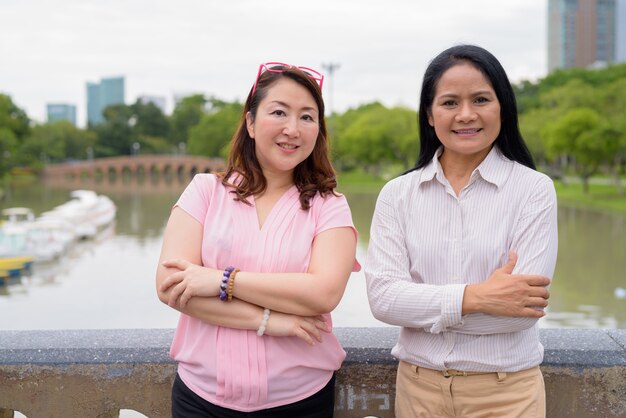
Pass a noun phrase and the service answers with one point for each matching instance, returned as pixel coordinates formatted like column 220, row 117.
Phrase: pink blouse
column 235, row 368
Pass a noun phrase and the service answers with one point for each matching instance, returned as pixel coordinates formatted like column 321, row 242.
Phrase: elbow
column 378, row 312
column 163, row 296
column 325, row 302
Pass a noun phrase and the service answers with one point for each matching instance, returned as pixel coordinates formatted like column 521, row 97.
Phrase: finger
column 184, row 298
column 536, row 303
column 321, row 323
column 532, row 313
column 302, row 334
column 175, row 294
column 310, row 326
column 510, row 263
column 535, row 280
column 539, row 292
column 172, row 280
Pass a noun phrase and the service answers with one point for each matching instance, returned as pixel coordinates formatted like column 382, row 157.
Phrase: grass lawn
column 600, row 196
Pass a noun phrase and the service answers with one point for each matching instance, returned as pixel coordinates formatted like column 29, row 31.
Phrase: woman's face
column 465, row 112
column 285, row 127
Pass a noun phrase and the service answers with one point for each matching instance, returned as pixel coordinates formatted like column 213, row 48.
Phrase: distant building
column 581, row 33
column 60, row 111
column 158, row 101
column 108, row 92
column 620, row 23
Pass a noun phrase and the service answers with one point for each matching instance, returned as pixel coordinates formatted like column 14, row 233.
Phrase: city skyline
column 168, row 49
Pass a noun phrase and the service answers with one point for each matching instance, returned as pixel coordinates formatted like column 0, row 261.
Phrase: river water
column 108, row 282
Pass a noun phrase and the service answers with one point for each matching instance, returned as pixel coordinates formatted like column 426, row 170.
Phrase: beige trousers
column 426, row 393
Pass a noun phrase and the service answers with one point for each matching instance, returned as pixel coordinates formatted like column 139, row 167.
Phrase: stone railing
column 96, row 373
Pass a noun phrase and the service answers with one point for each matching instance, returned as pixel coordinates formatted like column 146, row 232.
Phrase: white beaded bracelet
column 266, row 317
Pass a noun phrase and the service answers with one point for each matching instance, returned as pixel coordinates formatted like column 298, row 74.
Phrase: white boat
column 21, row 234
column 86, row 211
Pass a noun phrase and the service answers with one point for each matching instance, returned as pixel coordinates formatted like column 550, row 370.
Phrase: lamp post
column 330, row 68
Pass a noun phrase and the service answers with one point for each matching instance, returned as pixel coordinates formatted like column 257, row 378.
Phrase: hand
column 507, row 294
column 306, row 328
column 190, row 280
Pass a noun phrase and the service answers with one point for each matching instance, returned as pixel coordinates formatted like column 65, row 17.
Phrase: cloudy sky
column 49, row 49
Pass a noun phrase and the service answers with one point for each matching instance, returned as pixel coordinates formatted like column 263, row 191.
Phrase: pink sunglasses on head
column 279, row 67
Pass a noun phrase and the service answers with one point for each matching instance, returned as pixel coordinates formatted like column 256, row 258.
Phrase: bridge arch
column 155, row 165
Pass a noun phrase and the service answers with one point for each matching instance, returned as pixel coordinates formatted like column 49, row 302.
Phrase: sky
column 50, row 49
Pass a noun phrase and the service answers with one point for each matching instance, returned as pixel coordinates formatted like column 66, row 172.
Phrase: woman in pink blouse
column 255, row 259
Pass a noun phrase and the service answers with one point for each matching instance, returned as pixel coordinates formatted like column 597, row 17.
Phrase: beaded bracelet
column 266, row 317
column 224, row 284
column 231, row 284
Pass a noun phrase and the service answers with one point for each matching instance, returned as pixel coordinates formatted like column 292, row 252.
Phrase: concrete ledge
column 94, row 373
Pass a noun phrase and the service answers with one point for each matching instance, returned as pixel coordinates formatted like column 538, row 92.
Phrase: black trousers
column 186, row 404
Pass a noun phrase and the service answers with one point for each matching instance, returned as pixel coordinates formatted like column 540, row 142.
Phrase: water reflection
column 109, row 282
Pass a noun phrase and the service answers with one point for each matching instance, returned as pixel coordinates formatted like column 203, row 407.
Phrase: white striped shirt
column 427, row 244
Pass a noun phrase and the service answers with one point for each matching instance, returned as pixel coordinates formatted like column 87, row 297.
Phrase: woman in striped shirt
column 462, row 249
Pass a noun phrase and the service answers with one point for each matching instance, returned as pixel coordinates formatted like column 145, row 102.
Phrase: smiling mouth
column 288, row 146
column 466, row 131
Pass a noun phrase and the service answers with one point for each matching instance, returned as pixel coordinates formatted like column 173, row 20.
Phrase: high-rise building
column 620, row 19
column 108, row 92
column 61, row 111
column 581, row 33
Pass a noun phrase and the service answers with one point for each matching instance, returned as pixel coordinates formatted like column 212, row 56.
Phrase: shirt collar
column 495, row 168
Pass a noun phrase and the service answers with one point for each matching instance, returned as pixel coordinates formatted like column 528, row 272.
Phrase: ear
column 250, row 125
column 431, row 122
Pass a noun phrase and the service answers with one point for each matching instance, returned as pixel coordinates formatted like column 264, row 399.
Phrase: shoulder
column 329, row 200
column 206, row 179
column 531, row 177
column 532, row 183
column 401, row 186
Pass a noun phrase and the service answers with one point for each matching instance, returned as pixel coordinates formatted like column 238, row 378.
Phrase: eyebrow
column 289, row 107
column 476, row 93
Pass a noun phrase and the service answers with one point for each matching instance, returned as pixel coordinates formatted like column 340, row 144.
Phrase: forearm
column 485, row 324
column 315, row 292
column 233, row 314
column 295, row 293
column 416, row 305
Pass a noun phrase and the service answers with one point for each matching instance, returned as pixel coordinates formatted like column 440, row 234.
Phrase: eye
column 481, row 100
column 278, row 112
column 308, row 118
column 448, row 103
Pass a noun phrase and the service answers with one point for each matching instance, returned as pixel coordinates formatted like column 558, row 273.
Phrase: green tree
column 373, row 136
column 149, row 120
column 187, row 114
column 8, row 145
column 13, row 118
column 116, row 135
column 211, row 136
column 55, row 142
column 585, row 135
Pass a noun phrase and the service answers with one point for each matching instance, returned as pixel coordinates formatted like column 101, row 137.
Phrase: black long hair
column 509, row 140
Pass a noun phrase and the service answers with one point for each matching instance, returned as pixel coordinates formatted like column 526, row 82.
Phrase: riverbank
column 602, row 195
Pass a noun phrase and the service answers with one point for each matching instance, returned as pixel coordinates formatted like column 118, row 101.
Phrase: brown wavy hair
column 243, row 171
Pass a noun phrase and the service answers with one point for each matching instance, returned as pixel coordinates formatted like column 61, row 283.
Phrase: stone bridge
column 161, row 165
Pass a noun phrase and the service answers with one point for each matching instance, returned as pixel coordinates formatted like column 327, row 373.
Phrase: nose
column 466, row 113
column 291, row 128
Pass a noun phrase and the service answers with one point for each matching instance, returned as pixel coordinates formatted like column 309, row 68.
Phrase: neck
column 278, row 182
column 458, row 168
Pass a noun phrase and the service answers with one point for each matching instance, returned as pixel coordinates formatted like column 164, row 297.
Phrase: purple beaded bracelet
column 224, row 284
